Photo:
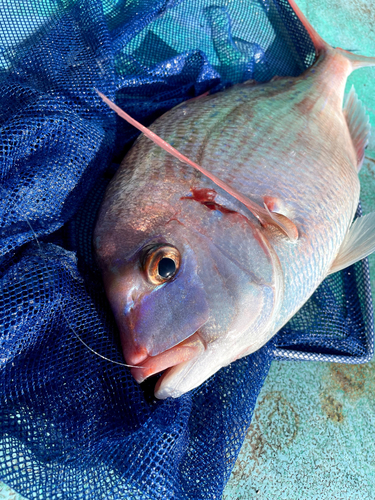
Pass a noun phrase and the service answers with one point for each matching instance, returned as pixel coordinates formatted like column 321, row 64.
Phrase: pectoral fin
column 358, row 123
column 358, row 243
column 284, row 223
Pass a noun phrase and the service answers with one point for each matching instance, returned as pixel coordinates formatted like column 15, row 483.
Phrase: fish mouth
column 190, row 348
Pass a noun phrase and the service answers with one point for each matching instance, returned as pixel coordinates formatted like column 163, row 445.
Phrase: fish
column 215, row 232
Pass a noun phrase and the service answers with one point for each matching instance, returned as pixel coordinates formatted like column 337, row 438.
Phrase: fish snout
column 182, row 352
column 158, row 324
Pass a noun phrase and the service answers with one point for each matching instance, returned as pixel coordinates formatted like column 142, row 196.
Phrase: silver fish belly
column 198, row 277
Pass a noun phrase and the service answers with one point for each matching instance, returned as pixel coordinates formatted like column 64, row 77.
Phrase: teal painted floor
column 312, row 435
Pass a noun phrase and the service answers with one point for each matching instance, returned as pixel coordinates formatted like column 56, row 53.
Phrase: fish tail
column 357, row 61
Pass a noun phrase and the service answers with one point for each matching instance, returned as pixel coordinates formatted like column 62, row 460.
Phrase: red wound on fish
column 206, row 197
column 203, row 195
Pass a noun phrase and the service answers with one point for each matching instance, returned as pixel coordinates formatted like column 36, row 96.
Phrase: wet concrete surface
column 312, row 435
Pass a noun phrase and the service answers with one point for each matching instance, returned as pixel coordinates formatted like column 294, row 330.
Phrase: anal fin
column 359, row 242
column 358, row 123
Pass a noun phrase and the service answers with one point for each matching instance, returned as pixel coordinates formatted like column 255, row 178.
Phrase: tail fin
column 356, row 60
column 320, row 45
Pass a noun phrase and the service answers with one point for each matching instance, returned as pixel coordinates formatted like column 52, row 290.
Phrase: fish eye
column 160, row 263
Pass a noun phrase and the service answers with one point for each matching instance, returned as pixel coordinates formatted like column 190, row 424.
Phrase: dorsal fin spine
column 319, row 44
column 357, row 61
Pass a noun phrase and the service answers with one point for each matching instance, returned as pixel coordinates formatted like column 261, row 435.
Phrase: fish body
column 294, row 149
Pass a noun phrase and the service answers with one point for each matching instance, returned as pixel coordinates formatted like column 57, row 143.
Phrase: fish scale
column 258, row 215
column 247, row 171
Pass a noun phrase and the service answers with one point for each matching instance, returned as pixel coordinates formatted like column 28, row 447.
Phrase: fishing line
column 63, row 312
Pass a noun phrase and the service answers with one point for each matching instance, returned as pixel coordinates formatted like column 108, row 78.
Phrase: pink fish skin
column 201, row 271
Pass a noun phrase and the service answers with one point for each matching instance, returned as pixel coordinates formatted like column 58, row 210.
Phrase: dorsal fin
column 264, row 216
column 356, row 60
column 319, row 44
column 358, row 123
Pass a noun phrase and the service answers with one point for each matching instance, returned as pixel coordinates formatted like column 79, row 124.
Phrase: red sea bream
column 201, row 271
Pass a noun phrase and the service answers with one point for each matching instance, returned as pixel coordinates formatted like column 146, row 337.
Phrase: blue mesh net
column 72, row 424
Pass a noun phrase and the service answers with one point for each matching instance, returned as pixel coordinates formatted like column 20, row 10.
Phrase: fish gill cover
column 72, row 424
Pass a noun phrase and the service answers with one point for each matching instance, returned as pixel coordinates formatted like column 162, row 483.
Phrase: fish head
column 191, row 294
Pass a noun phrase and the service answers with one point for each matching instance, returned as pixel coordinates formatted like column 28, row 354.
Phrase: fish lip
column 184, row 351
